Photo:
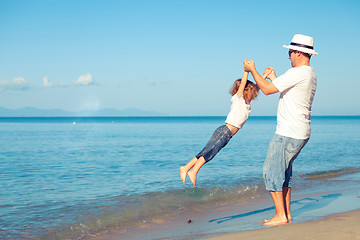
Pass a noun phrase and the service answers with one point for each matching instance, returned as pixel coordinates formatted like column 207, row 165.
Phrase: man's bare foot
column 192, row 177
column 276, row 220
column 183, row 174
column 290, row 220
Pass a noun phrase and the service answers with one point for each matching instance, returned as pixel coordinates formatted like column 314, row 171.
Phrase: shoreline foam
column 319, row 198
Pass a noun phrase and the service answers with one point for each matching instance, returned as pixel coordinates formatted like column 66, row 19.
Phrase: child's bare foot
column 183, row 173
column 276, row 220
column 192, row 177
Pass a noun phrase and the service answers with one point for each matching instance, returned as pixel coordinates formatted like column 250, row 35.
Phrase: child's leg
column 186, row 168
column 219, row 139
column 193, row 173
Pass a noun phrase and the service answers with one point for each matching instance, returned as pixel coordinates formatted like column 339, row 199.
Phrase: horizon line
column 355, row 115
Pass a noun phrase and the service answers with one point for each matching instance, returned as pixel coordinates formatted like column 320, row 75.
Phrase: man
column 297, row 87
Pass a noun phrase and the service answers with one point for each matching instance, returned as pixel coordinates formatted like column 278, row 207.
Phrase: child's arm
column 266, row 87
column 244, row 78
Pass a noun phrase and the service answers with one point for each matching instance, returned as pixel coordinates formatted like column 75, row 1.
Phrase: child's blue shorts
column 218, row 140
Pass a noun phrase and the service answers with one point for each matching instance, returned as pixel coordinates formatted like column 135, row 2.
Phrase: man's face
column 292, row 57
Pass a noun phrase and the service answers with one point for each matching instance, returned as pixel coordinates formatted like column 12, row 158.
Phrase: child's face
column 248, row 97
column 251, row 95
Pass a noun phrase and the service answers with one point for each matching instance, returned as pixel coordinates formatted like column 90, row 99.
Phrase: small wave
column 320, row 175
column 132, row 211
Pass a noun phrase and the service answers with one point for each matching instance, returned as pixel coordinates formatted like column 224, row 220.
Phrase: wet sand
column 322, row 209
column 312, row 220
column 339, row 226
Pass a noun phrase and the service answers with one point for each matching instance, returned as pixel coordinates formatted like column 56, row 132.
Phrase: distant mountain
column 111, row 112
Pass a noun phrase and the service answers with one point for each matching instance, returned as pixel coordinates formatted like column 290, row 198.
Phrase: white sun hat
column 302, row 43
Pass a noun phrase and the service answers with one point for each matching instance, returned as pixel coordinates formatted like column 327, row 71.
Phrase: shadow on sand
column 306, row 205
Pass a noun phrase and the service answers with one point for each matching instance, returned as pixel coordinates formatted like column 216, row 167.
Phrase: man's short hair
column 306, row 55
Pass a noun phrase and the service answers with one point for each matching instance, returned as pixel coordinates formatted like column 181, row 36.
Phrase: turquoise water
column 66, row 178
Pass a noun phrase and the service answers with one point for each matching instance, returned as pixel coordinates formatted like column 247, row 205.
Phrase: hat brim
column 301, row 49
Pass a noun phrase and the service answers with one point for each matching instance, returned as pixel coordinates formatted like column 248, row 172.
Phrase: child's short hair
column 251, row 89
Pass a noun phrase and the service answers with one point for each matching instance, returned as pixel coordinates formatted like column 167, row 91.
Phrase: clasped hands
column 249, row 66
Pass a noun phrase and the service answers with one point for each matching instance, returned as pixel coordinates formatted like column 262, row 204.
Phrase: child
column 243, row 91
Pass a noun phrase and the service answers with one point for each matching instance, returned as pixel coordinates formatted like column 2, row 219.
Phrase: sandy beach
column 326, row 209
column 317, row 215
column 339, row 226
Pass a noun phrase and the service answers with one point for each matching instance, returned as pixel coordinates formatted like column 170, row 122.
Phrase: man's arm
column 266, row 87
column 270, row 73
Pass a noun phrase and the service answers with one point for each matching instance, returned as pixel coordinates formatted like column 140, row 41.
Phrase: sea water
column 68, row 178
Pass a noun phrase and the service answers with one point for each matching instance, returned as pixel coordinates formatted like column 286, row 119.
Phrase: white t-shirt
column 239, row 111
column 297, row 87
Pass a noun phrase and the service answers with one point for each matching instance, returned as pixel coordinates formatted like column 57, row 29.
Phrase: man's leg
column 280, row 212
column 293, row 148
column 274, row 176
column 287, row 202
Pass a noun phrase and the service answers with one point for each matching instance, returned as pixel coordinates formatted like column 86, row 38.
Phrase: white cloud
column 18, row 83
column 48, row 84
column 85, row 80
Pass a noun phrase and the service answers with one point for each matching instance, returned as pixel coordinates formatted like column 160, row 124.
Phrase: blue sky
column 175, row 57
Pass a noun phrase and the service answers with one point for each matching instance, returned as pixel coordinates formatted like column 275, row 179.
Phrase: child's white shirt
column 239, row 111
